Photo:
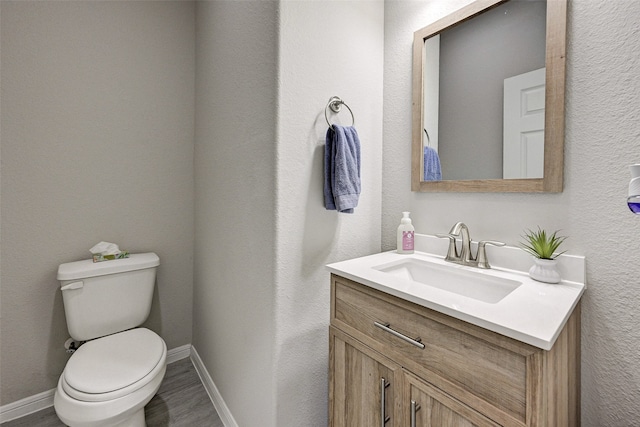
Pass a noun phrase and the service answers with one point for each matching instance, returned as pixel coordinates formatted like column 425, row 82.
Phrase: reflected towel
column 341, row 169
column 432, row 170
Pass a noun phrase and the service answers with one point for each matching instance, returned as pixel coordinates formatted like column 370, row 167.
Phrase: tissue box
column 101, row 257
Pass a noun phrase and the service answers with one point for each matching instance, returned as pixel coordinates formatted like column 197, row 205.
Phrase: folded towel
column 341, row 169
column 432, row 170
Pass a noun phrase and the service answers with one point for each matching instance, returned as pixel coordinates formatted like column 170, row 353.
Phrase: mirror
column 464, row 110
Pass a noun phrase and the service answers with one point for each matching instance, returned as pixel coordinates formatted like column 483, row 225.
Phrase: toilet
column 111, row 377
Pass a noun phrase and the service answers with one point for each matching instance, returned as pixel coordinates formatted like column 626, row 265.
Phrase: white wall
column 106, row 89
column 265, row 72
column 326, row 48
column 97, row 144
column 602, row 139
column 235, row 168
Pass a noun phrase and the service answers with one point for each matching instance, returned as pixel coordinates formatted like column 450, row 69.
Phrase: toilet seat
column 114, row 366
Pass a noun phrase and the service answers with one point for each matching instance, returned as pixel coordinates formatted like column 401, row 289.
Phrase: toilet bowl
column 109, row 380
column 119, row 368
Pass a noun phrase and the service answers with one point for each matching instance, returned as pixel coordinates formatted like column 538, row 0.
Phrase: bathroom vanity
column 403, row 356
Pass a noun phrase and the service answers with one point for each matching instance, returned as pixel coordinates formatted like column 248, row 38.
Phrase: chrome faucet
column 461, row 229
column 464, row 256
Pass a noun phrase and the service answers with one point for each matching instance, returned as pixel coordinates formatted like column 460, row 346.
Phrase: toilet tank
column 106, row 297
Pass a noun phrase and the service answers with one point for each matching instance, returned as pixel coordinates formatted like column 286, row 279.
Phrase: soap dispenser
column 406, row 234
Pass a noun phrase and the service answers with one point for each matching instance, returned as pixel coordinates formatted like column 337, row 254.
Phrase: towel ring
column 335, row 104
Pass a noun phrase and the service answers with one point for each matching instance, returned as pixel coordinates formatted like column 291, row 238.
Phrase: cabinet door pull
column 387, row 327
column 414, row 408
column 383, row 399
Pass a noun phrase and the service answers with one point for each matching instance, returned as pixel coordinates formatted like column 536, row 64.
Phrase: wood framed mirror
column 545, row 143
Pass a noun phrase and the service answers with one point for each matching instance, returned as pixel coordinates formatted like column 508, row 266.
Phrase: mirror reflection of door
column 464, row 68
column 523, row 150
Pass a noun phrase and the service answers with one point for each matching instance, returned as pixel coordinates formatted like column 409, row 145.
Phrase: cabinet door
column 428, row 406
column 364, row 386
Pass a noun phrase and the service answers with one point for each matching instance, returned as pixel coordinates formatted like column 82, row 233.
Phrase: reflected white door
column 523, row 139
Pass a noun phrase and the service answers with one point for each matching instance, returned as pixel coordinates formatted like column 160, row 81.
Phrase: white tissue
column 105, row 248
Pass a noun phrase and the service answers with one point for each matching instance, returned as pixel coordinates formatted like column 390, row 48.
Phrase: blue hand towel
column 432, row 170
column 341, row 169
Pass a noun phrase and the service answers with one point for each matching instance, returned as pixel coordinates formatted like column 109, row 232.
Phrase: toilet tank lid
column 87, row 268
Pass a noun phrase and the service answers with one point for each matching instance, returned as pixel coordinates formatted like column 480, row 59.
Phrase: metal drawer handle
column 383, row 397
column 387, row 327
column 414, row 408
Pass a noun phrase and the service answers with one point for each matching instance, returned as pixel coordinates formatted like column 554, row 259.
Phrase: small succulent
column 542, row 245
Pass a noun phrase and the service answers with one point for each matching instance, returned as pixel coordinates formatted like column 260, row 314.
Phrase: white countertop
column 534, row 313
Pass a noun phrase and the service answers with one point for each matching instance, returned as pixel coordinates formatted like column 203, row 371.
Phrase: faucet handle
column 483, row 262
column 452, row 252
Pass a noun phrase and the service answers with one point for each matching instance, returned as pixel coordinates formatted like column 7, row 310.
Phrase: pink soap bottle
column 406, row 234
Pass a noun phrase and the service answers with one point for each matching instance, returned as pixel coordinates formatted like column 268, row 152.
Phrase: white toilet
column 111, row 377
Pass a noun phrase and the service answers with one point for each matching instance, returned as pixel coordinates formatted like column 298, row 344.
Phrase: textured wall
column 97, row 144
column 602, row 139
column 265, row 72
column 603, row 133
column 233, row 328
column 326, row 48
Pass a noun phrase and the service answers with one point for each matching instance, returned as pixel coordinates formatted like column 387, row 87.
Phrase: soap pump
column 406, row 234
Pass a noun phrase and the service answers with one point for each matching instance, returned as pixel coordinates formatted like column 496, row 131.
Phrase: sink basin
column 459, row 280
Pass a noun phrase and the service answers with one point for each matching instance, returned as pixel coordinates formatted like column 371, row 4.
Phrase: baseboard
column 178, row 353
column 216, row 398
column 26, row 406
column 44, row 400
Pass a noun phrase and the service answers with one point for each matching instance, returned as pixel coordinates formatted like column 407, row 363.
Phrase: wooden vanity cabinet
column 365, row 385
column 441, row 371
column 429, row 406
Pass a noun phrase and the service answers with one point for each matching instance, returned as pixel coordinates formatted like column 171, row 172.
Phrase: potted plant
column 543, row 247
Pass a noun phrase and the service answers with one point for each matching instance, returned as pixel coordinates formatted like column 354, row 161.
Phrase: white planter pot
column 545, row 270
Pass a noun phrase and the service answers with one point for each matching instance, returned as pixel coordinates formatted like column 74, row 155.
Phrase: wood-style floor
column 181, row 401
